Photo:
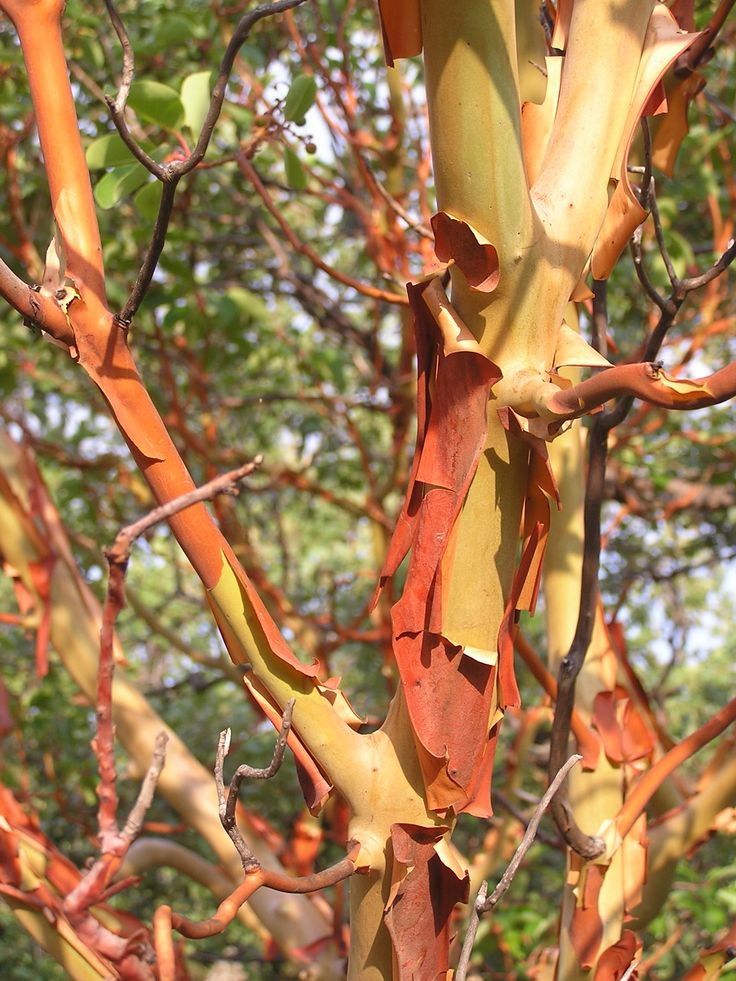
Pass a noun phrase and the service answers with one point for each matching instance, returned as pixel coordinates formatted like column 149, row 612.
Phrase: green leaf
column 295, row 176
column 301, row 96
column 108, row 151
column 195, row 96
column 250, row 305
column 119, row 182
column 172, row 30
column 156, row 103
column 148, row 199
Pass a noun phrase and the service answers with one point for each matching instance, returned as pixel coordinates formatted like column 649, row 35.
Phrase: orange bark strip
column 41, row 576
column 537, row 120
column 418, row 910
column 39, row 30
column 674, row 127
column 617, row 958
column 586, row 929
column 401, row 27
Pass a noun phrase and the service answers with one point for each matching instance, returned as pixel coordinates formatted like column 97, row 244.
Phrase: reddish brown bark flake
column 448, row 693
column 477, row 259
column 586, row 929
column 623, row 729
column 616, row 960
column 401, row 27
column 425, row 890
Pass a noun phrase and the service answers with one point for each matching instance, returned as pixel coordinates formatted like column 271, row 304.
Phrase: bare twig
column 113, row 842
column 659, row 235
column 227, row 805
column 152, row 255
column 165, row 920
column 364, row 288
column 413, row 224
column 572, row 663
column 483, row 903
column 723, row 262
column 503, row 801
column 171, row 173
column 225, row 483
column 647, row 186
column 600, row 316
column 642, row 274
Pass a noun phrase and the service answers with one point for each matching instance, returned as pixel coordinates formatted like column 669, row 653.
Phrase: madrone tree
column 535, row 203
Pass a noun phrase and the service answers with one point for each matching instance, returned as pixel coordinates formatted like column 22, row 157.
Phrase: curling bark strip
column 448, row 687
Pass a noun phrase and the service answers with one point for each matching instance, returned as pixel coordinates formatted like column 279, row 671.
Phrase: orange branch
column 653, row 779
column 39, row 31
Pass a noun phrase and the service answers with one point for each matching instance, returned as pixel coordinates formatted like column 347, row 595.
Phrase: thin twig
column 483, row 903
column 642, row 274
column 571, row 665
column 659, row 235
column 152, row 255
column 171, row 173
column 364, row 288
column 114, row 843
column 725, row 260
column 414, row 224
column 225, row 483
column 227, row 805
column 600, row 316
column 503, row 801
column 128, row 70
column 647, row 187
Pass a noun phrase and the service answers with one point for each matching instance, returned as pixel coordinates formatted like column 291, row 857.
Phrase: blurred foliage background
column 249, row 349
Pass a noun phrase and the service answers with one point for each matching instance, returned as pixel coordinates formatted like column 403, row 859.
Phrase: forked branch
column 227, row 805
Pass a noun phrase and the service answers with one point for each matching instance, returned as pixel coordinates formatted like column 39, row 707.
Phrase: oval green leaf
column 300, row 98
column 116, row 184
column 195, row 97
column 148, row 199
column 156, row 103
column 295, row 175
column 108, row 151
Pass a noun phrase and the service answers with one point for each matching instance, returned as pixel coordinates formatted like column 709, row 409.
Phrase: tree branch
column 227, row 806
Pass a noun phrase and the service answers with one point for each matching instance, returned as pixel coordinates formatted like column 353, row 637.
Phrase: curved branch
column 644, row 380
column 37, row 309
column 166, row 920
column 652, row 779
